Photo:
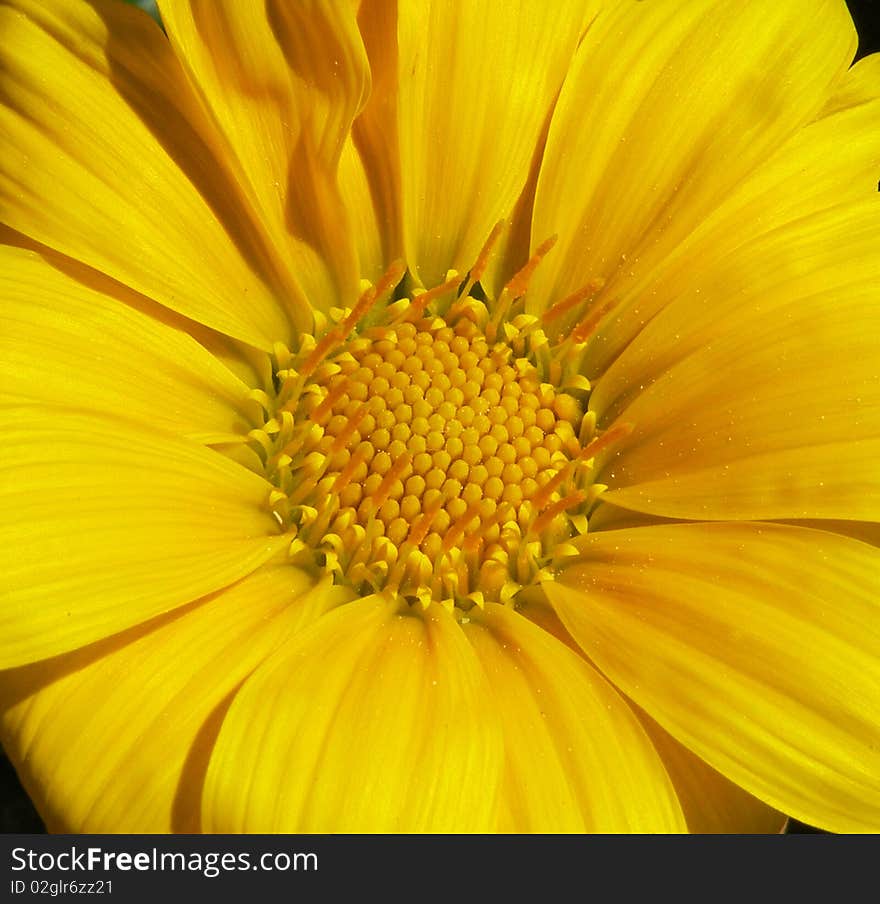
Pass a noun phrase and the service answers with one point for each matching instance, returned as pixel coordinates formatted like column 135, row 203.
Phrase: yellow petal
column 283, row 81
column 668, row 107
column 476, row 82
column 860, row 86
column 866, row 531
column 374, row 720
column 764, row 400
column 79, row 340
column 841, row 153
column 810, row 258
column 609, row 517
column 755, row 645
column 576, row 757
column 116, row 737
column 368, row 231
column 375, row 133
column 106, row 157
column 711, row 803
column 104, row 526
column 532, row 603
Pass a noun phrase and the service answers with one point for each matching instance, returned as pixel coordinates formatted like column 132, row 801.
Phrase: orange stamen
column 485, row 255
column 567, row 502
column 460, row 526
column 346, row 433
column 389, row 280
column 423, row 525
column 615, row 434
column 473, row 542
column 542, row 496
column 492, row 520
column 588, row 325
column 347, row 473
column 329, row 400
column 320, row 351
column 518, row 284
column 393, row 474
column 571, row 301
column 417, row 306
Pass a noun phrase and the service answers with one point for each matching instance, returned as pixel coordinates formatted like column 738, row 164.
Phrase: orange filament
column 588, row 325
column 573, row 300
column 423, row 525
column 461, row 526
column 345, row 476
column 485, row 255
column 540, row 499
column 519, row 283
column 418, row 304
column 349, row 429
column 326, row 405
column 397, row 469
column 608, row 438
column 369, row 297
column 567, row 502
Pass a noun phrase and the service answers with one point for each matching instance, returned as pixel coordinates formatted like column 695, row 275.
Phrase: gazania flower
column 440, row 416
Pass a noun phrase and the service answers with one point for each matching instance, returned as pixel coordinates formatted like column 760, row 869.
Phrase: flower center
column 418, row 448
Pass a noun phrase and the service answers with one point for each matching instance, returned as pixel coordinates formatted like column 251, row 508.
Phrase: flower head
column 461, row 418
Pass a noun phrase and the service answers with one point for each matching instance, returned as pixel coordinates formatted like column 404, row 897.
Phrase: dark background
column 866, row 15
column 16, row 812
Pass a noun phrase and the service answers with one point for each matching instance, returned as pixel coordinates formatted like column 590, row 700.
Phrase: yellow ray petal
column 668, row 106
column 860, row 86
column 610, row 517
column 104, row 526
column 576, row 757
column 764, row 399
column 476, row 82
column 807, row 261
column 115, row 737
column 368, row 232
column 789, row 483
column 106, row 157
column 375, row 132
column 532, row 603
column 79, row 340
column 711, row 803
column 283, row 81
column 866, row 531
column 251, row 365
column 841, row 153
column 755, row 645
column 374, row 720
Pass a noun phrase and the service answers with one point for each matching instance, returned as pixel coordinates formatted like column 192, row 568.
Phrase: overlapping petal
column 763, row 394
column 576, row 757
column 711, row 803
column 375, row 132
column 475, row 85
column 755, row 645
column 370, row 235
column 104, row 525
column 376, row 719
column 831, row 161
column 284, row 81
column 82, row 341
column 667, row 108
column 116, row 737
column 150, row 203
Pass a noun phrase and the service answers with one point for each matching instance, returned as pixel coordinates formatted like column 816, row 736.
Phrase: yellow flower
column 329, row 504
